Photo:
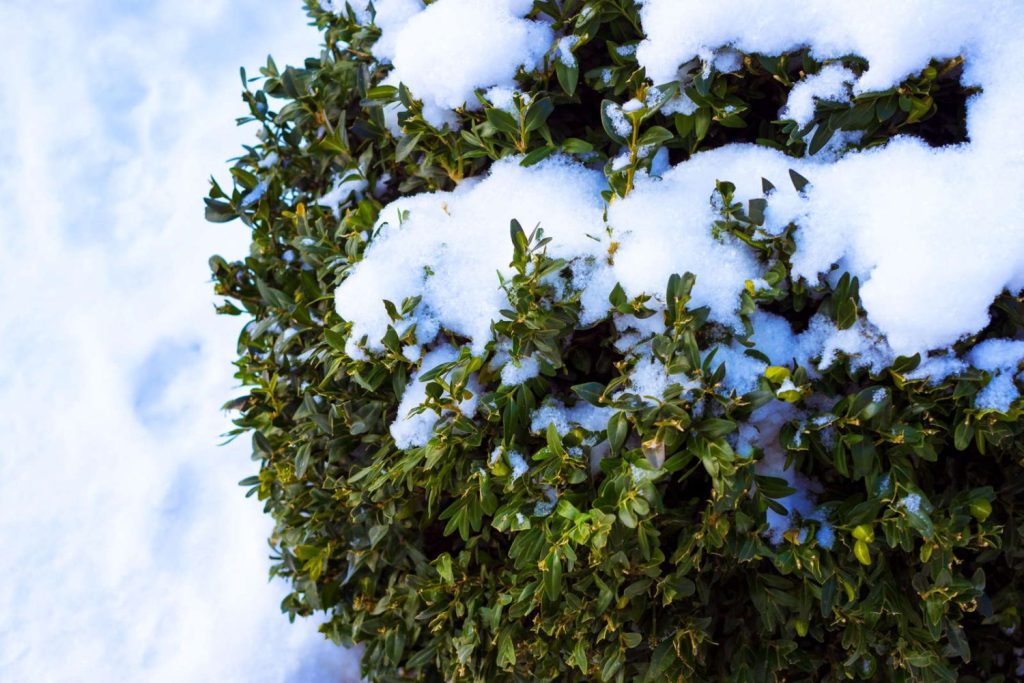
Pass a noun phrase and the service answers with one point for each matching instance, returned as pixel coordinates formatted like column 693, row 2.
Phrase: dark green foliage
column 652, row 566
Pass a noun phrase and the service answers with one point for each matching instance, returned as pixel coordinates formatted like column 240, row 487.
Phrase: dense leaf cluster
column 636, row 553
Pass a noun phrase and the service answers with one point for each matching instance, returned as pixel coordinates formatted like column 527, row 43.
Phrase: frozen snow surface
column 129, row 552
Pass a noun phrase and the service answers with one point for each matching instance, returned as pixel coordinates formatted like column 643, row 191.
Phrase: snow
column 503, row 98
column 543, row 508
column 130, row 552
column 412, row 352
column 829, row 83
column 897, row 39
column 350, row 182
column 270, row 161
column 518, row 463
column 255, row 194
column 1003, row 359
column 825, row 536
column 762, row 430
column 390, row 16
column 632, row 106
column 444, row 52
column 518, row 371
column 883, row 485
column 450, row 244
column 649, row 379
column 565, row 46
column 412, row 429
column 911, row 502
column 617, row 117
column 856, row 209
column 589, row 417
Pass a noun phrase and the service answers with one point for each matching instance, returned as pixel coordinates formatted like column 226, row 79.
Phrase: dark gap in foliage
column 582, row 366
column 1007, row 316
column 949, row 125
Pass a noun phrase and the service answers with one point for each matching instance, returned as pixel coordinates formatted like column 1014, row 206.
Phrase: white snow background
column 128, row 552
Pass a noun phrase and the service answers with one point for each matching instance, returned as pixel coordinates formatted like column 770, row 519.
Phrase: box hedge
column 637, row 550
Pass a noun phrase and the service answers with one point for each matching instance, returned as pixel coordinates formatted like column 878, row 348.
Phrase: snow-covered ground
column 128, row 552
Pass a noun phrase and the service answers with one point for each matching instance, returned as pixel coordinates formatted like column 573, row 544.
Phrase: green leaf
column 506, row 651
column 218, row 211
column 568, row 76
column 537, row 114
column 554, row 440
column 606, row 122
column 714, row 427
column 553, row 575
column 538, row 154
column 579, row 656
column 302, row 458
column 822, row 134
column 502, row 121
column 921, row 522
column 661, row 660
column 799, row 182
column 577, row 146
column 274, row 297
column 773, row 487
column 520, row 242
column 382, row 92
column 755, row 210
column 611, row 662
column 443, row 565
column 406, row 145
column 617, row 298
column 846, row 313
column 701, row 123
column 655, row 136
column 590, row 392
column 618, row 428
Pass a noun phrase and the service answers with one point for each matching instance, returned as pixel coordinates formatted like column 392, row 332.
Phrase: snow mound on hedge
column 896, row 38
column 918, row 290
column 448, row 246
column 934, row 234
column 447, row 50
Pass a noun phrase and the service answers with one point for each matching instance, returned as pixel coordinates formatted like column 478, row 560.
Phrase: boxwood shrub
column 636, row 549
